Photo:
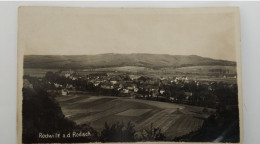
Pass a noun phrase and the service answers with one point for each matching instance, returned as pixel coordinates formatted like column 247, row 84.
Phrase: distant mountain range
column 118, row 60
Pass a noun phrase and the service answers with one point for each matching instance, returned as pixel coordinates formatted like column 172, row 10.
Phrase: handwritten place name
column 67, row 135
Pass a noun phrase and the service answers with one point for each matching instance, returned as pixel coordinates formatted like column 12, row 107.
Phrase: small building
column 96, row 84
column 57, row 85
column 188, row 95
column 155, row 93
column 126, row 91
column 172, row 99
column 64, row 92
column 67, row 75
column 121, row 86
column 70, row 86
column 130, row 88
column 134, row 77
column 135, row 89
column 113, row 82
column 162, row 91
column 27, row 84
column 107, row 87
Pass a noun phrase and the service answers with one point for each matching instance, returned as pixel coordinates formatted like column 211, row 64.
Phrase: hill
column 118, row 60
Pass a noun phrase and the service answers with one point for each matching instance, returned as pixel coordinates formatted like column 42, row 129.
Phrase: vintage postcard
column 88, row 75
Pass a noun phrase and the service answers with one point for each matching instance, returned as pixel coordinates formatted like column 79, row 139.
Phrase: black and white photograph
column 107, row 75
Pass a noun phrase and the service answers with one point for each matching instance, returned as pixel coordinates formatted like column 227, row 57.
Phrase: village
column 168, row 89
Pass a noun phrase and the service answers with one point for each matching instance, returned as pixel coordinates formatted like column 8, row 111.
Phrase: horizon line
column 122, row 54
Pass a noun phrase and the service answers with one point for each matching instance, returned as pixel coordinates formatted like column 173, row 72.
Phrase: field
column 173, row 119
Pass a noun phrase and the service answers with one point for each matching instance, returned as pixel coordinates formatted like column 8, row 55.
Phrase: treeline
column 216, row 95
column 42, row 114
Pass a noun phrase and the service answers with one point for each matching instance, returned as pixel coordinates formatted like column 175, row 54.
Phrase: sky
column 210, row 32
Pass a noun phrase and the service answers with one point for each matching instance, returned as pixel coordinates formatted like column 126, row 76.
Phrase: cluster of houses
column 125, row 84
column 72, row 75
column 174, row 89
column 129, row 85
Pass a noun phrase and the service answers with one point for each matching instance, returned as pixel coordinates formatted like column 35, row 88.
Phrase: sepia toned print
column 129, row 75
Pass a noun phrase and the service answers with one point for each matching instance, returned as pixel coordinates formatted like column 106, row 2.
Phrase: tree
column 151, row 134
column 118, row 132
